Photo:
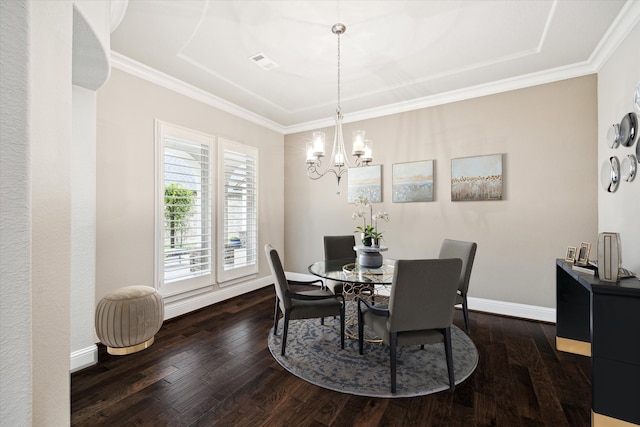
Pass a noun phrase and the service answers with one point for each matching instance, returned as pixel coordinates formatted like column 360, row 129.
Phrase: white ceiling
column 396, row 55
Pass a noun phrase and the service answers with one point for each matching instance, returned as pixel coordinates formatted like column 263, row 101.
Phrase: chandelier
column 338, row 162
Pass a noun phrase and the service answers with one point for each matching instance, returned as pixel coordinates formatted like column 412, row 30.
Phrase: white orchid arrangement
column 369, row 231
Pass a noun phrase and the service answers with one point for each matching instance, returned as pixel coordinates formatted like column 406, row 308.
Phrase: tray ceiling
column 394, row 53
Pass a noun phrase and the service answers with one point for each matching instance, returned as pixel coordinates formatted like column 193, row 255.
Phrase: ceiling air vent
column 263, row 62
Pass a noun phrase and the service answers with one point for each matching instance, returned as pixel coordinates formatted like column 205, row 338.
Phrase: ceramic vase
column 609, row 257
column 370, row 259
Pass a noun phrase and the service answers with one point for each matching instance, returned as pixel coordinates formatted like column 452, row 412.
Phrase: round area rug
column 313, row 353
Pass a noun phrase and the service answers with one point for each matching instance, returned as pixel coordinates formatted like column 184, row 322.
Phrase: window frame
column 197, row 282
column 229, row 276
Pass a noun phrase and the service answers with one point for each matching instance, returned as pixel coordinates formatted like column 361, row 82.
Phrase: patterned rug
column 313, row 353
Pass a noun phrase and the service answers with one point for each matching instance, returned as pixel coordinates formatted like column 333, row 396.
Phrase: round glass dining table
column 347, row 270
column 372, row 284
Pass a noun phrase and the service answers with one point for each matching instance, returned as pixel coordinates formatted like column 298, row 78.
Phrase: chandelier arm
column 314, row 173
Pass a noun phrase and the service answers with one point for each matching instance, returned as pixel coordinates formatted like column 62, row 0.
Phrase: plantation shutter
column 239, row 219
column 184, row 260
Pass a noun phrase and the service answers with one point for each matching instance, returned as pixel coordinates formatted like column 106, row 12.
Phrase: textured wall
column 15, row 217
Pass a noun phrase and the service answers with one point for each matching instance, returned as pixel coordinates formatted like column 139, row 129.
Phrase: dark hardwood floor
column 213, row 368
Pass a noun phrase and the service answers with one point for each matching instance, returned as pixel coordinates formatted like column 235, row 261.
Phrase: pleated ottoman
column 128, row 319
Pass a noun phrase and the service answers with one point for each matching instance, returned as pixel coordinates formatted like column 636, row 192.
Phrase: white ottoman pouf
column 128, row 318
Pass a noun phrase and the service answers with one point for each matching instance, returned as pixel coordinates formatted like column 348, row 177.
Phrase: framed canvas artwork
column 476, row 178
column 365, row 181
column 412, row 182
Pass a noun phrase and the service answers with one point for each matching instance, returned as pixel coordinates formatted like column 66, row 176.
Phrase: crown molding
column 492, row 88
column 624, row 23
column 152, row 75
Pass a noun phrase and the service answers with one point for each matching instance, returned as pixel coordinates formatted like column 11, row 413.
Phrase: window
column 184, row 255
column 238, row 218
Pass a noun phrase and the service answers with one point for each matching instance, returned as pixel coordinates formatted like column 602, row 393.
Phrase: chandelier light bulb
column 318, row 144
column 311, row 158
column 367, row 156
column 358, row 143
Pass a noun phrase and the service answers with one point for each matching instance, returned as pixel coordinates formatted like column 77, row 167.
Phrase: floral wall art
column 476, row 178
column 412, row 182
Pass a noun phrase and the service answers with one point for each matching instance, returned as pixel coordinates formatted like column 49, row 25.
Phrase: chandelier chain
column 338, row 110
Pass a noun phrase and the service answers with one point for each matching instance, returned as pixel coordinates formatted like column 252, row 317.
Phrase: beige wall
column 620, row 211
column 127, row 107
column 547, row 134
column 37, row 178
column 51, row 213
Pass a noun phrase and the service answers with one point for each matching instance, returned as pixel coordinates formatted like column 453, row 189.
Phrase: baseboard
column 187, row 305
column 84, row 358
column 89, row 356
column 525, row 311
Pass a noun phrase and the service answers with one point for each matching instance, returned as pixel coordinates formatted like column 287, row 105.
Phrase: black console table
column 602, row 320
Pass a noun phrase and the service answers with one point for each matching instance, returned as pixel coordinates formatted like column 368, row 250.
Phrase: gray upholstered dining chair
column 338, row 247
column 318, row 303
column 420, row 309
column 466, row 251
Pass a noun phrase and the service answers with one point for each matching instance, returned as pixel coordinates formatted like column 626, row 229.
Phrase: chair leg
column 275, row 316
column 393, row 342
column 342, row 327
column 360, row 330
column 322, row 320
column 449, row 356
column 285, row 331
column 465, row 312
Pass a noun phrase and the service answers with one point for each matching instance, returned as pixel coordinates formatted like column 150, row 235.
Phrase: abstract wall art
column 412, row 182
column 477, row 178
column 365, row 181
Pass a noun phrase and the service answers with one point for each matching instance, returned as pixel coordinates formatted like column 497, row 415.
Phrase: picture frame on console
column 582, row 257
column 571, row 254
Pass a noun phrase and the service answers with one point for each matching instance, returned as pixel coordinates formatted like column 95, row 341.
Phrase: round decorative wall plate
column 628, row 129
column 610, row 174
column 613, row 136
column 629, row 168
